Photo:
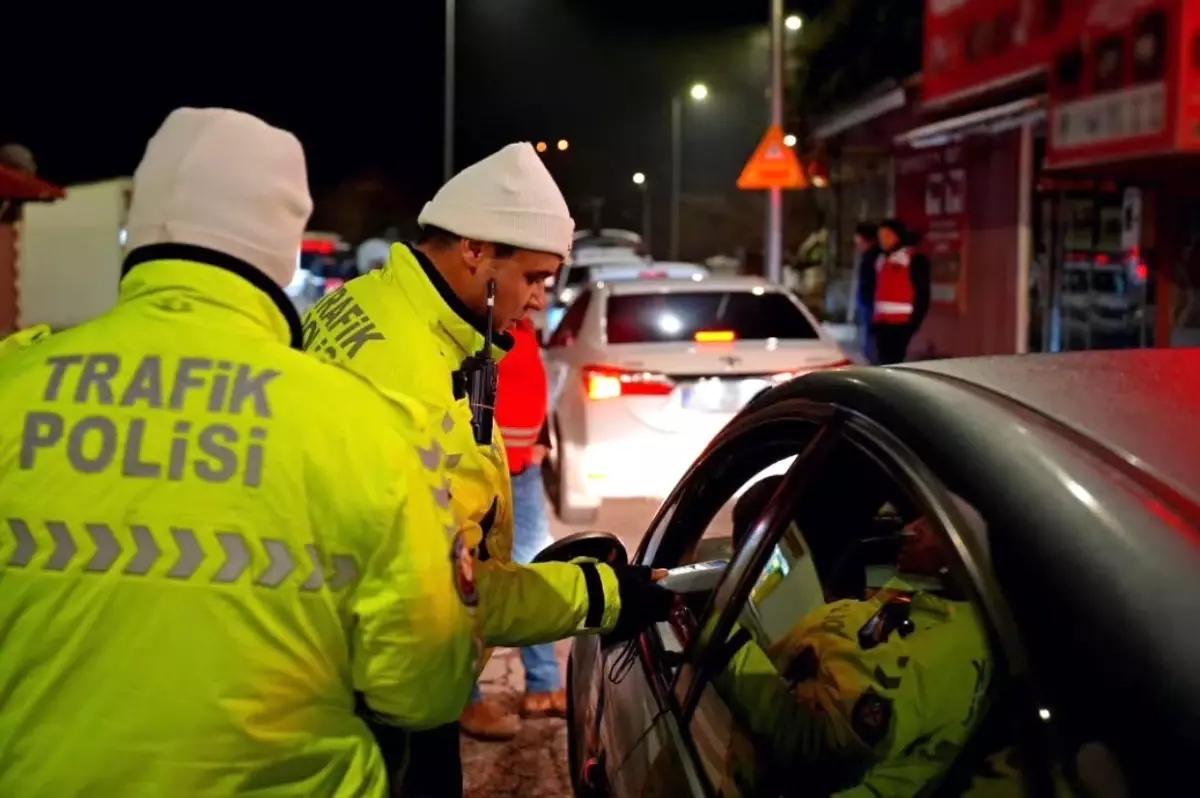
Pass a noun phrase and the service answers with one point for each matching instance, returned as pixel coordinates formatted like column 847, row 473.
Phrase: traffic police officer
column 500, row 225
column 193, row 603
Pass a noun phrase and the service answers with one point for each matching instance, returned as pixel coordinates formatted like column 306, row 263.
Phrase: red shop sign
column 972, row 46
column 931, row 198
column 1115, row 89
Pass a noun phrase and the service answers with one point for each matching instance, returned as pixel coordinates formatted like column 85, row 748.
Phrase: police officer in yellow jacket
column 862, row 698
column 23, row 338
column 416, row 325
column 202, row 576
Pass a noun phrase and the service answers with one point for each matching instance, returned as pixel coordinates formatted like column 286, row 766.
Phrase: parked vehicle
column 1063, row 494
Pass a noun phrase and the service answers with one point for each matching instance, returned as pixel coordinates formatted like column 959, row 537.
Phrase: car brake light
column 653, row 275
column 715, row 336
column 606, row 382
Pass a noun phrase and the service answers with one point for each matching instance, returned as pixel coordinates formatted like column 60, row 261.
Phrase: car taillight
column 715, row 336
column 784, row 376
column 606, row 382
column 652, row 275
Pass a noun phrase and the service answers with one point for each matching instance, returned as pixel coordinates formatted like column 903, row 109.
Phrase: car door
column 630, row 727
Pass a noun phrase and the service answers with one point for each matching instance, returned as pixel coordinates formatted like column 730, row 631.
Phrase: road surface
column 534, row 764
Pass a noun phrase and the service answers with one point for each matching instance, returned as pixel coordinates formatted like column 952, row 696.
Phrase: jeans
column 531, row 534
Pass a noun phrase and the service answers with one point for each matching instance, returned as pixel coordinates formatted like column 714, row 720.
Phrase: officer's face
column 521, row 285
column 887, row 238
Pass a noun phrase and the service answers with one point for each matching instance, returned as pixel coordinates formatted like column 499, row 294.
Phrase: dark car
column 1062, row 494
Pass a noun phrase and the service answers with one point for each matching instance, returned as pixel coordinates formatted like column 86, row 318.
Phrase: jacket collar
column 218, row 282
column 432, row 299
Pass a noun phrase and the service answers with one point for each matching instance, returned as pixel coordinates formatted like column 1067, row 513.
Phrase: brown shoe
column 487, row 720
column 544, row 705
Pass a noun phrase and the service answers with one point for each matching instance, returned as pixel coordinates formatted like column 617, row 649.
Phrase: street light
column 562, row 145
column 698, row 93
column 793, row 23
column 639, row 180
column 789, row 140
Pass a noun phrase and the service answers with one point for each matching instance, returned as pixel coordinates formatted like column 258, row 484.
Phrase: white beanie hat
column 507, row 198
column 226, row 181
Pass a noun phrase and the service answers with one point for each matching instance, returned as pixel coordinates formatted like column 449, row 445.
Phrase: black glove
column 643, row 603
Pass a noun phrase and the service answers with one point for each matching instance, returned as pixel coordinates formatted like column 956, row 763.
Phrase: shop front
column 1107, row 228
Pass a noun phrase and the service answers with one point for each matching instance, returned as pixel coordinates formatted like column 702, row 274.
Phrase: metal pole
column 448, row 119
column 774, row 264
column 645, row 188
column 676, row 171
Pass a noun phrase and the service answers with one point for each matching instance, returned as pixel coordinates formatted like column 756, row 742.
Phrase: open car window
column 855, row 657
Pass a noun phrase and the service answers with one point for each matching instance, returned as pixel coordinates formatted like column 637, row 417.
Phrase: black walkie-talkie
column 478, row 378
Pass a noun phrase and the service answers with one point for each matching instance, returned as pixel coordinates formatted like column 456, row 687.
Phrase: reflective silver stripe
column 520, row 443
column 520, row 432
column 447, row 422
column 442, row 495
column 107, row 550
column 431, row 458
column 281, row 563
column 893, row 307
column 26, row 545
column 453, row 460
column 235, row 558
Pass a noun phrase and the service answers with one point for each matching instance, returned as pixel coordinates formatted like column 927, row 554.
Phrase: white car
column 646, row 372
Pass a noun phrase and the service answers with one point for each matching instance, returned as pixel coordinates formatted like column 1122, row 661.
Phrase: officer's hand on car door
column 643, row 602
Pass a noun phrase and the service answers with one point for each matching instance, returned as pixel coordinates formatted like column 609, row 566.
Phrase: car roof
column 708, row 284
column 1143, row 405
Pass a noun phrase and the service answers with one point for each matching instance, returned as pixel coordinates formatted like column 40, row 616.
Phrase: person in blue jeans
column 521, row 408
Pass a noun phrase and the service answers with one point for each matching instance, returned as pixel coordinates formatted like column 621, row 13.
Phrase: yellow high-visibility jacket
column 203, row 563
column 403, row 329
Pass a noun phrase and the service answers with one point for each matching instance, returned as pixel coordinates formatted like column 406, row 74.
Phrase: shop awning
column 989, row 120
column 860, row 113
column 18, row 185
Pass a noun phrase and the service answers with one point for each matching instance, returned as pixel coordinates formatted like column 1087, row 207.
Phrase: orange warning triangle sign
column 773, row 165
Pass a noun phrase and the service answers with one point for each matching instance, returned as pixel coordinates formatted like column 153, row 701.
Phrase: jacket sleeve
column 415, row 640
column 523, row 605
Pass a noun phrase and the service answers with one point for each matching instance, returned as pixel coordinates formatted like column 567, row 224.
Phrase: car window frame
column 558, row 338
column 922, row 485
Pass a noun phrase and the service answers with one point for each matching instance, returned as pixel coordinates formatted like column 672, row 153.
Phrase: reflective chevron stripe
column 189, row 555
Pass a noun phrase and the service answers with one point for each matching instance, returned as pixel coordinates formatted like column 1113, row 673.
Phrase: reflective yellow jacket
column 203, row 561
column 402, row 328
column 885, row 721
column 23, row 338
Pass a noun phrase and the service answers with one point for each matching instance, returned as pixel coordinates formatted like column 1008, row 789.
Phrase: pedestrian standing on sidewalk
column 902, row 292
column 866, row 250
column 521, row 409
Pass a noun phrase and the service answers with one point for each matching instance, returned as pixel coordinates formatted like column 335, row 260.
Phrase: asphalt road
column 534, row 764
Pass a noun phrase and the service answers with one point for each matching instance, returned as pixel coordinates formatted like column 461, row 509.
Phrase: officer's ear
column 475, row 254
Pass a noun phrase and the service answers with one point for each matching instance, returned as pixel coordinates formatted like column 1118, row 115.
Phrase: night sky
column 364, row 92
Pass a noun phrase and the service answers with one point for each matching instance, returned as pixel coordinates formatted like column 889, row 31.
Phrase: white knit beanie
column 226, row 181
column 507, row 198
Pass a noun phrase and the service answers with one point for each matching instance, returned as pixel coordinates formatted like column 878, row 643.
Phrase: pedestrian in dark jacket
column 866, row 250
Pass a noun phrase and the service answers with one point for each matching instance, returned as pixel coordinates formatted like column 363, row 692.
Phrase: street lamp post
column 639, row 180
column 448, row 118
column 699, row 93
column 774, row 264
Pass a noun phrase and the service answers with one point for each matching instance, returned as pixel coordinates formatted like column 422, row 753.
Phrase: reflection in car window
column 655, row 318
column 828, row 678
column 572, row 321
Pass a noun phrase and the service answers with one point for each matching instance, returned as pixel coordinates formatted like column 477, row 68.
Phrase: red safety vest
column 522, row 397
column 894, row 293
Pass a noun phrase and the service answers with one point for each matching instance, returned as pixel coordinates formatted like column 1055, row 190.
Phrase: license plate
column 719, row 396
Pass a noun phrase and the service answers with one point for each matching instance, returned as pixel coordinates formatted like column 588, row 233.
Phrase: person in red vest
column 521, row 408
column 902, row 287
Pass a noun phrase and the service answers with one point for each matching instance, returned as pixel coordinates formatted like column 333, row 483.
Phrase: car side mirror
column 604, row 547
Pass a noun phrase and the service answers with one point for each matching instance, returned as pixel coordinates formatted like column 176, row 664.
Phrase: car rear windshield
column 657, row 318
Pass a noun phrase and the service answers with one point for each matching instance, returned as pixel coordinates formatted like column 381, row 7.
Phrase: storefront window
column 1185, row 277
column 1090, row 287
